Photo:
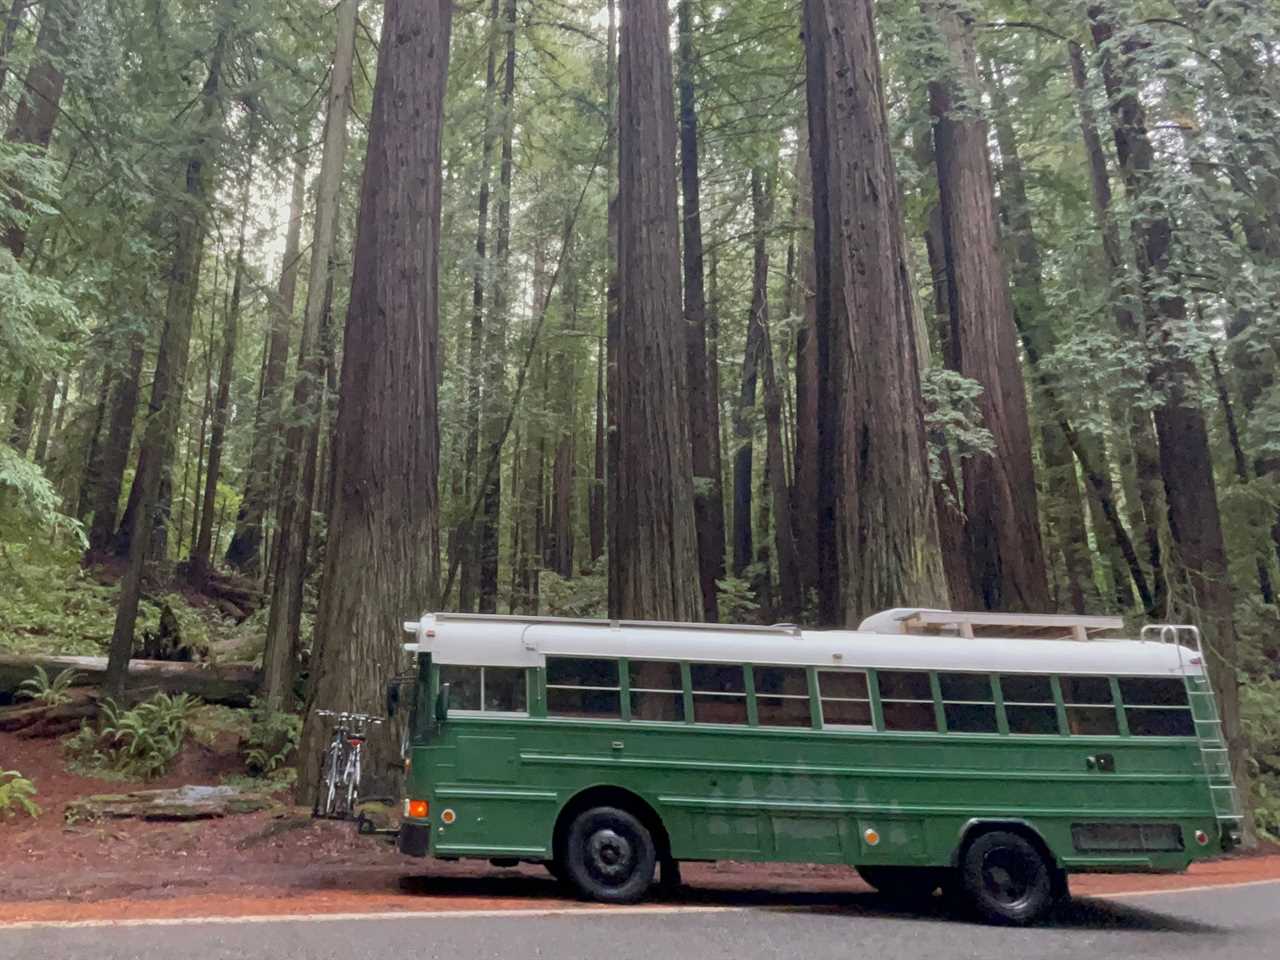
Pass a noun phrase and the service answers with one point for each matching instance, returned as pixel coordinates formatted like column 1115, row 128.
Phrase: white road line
column 380, row 915
column 1203, row 888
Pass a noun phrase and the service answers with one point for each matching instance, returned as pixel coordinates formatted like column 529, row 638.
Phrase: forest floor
column 284, row 862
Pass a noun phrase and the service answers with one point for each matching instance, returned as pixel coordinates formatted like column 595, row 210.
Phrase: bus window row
column 661, row 691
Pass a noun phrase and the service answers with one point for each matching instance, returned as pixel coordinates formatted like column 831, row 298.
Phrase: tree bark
column 244, row 553
column 564, row 471
column 612, row 326
column 12, row 21
column 469, row 581
column 595, row 503
column 1137, row 423
column 294, row 523
column 1186, row 463
column 46, row 421
column 382, row 556
column 704, row 425
column 806, row 485
column 165, row 406
column 204, row 544
column 654, row 553
column 495, row 374
column 743, row 522
column 879, row 541
column 1006, row 555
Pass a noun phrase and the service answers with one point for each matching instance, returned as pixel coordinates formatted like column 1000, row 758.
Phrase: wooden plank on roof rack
column 1027, row 625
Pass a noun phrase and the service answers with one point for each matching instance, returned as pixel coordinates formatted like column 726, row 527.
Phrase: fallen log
column 232, row 684
column 31, row 720
column 181, row 803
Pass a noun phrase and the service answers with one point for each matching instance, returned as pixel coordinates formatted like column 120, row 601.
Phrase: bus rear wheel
column 1008, row 880
column 610, row 855
column 906, row 884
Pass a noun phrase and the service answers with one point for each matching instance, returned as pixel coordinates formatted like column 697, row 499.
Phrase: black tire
column 610, row 855
column 905, row 884
column 1008, row 880
column 556, row 869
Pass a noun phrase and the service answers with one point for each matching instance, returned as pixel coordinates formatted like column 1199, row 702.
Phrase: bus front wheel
column 1007, row 879
column 610, row 855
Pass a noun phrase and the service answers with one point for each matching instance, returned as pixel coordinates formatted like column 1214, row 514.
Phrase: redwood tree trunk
column 1006, row 555
column 202, row 550
column 244, row 553
column 382, row 555
column 1186, row 463
column 165, row 406
column 879, row 542
column 653, row 554
column 805, row 487
column 106, row 474
column 704, row 419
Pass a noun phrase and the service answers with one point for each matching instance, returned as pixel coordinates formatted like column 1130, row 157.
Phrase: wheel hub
column 611, row 855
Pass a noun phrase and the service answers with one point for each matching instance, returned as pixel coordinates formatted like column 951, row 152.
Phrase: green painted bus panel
column 805, row 795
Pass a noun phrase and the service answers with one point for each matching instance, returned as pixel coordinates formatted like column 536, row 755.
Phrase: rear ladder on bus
column 1215, row 758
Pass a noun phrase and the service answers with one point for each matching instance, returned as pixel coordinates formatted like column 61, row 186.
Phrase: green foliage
column 134, row 744
column 273, row 738
column 16, row 792
column 586, row 595
column 28, row 501
column 1260, row 717
column 49, row 605
column 738, row 603
column 51, row 693
column 953, row 417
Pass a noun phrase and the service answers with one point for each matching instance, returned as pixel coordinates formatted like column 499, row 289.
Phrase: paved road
column 1239, row 923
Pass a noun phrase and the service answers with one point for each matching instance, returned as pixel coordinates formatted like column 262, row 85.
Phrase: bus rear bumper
column 414, row 839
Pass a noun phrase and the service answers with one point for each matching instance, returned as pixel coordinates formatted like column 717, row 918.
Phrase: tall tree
column 382, row 555
column 493, row 425
column 704, row 417
column 297, row 473
column 653, row 554
column 165, row 405
column 244, row 553
column 806, row 485
column 202, row 548
column 878, row 543
column 1002, row 528
column 1186, row 463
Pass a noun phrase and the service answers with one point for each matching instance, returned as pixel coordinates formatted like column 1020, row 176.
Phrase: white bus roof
column 474, row 639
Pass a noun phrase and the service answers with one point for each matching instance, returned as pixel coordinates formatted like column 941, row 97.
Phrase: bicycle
column 341, row 770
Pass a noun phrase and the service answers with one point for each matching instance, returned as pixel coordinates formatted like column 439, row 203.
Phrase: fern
column 272, row 739
column 16, row 791
column 138, row 743
column 51, row 693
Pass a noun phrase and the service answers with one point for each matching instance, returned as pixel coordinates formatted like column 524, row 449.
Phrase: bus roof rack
column 1030, row 626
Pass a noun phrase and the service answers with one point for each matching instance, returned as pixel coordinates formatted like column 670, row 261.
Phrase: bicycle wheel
column 331, row 780
column 353, row 780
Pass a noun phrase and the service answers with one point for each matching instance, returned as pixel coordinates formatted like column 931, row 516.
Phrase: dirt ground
column 283, row 862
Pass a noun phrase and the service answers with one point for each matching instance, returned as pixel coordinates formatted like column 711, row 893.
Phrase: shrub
column 16, row 791
column 51, row 693
column 138, row 743
column 272, row 740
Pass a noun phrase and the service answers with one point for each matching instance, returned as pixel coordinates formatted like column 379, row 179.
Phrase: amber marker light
column 871, row 836
column 418, row 809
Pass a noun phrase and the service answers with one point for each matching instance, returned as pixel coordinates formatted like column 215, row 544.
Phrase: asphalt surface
column 1234, row 923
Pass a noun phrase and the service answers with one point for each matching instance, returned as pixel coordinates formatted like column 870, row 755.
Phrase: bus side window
column 657, row 692
column 906, row 700
column 1091, row 710
column 1029, row 706
column 845, row 698
column 583, row 687
column 782, row 696
column 968, row 702
column 487, row 689
column 1157, row 707
column 719, row 693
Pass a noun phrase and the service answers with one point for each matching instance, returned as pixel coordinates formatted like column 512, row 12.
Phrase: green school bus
column 987, row 755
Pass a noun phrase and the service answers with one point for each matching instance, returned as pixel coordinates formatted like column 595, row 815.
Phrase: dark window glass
column 1016, row 688
column 970, row 718
column 974, row 687
column 1153, row 691
column 908, row 716
column 898, row 685
column 1092, row 721
column 464, row 686
column 793, row 681
column 843, row 684
column 709, row 708
column 783, row 711
column 667, row 707
column 654, row 675
column 1086, row 689
column 579, row 672
column 717, row 678
column 1156, row 722
column 578, row 702
column 846, row 713
column 505, row 689
column 1031, row 720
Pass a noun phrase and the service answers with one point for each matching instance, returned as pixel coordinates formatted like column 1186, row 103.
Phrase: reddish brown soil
column 285, row 863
